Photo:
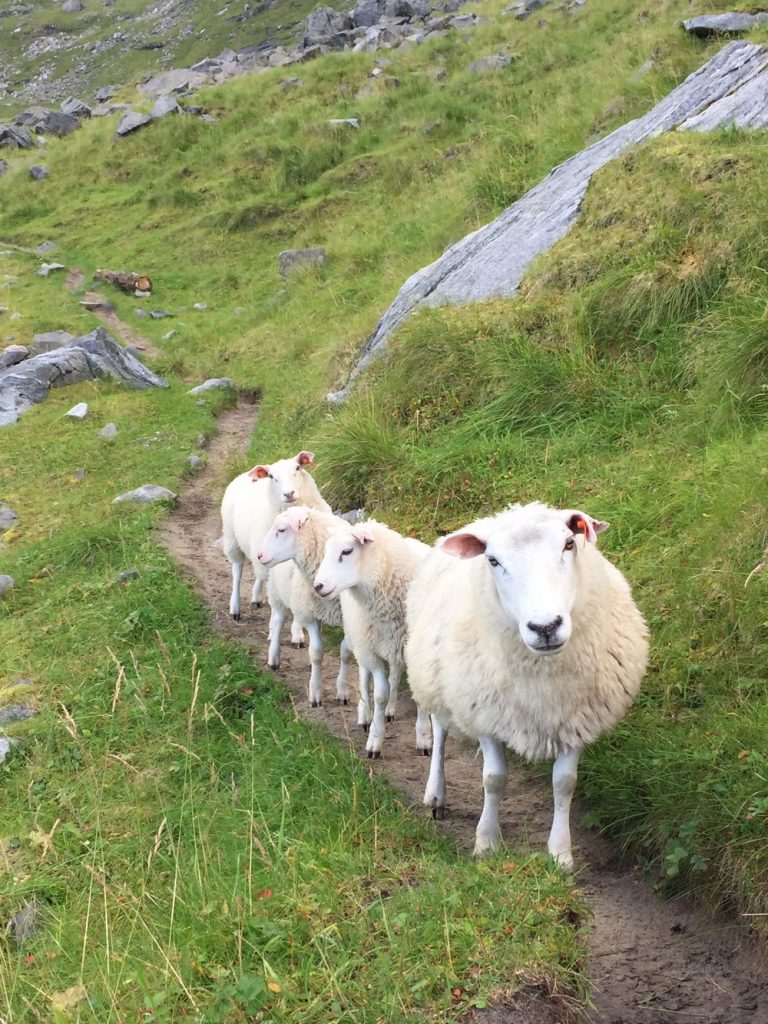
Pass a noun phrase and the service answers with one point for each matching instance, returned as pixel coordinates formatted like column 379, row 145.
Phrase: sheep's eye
column 281, row 529
column 493, row 561
column 570, row 544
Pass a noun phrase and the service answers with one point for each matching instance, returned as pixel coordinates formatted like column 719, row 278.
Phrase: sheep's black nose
column 319, row 588
column 546, row 631
column 289, row 495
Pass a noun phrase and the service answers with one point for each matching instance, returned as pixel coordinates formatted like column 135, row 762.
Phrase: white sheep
column 537, row 645
column 370, row 568
column 292, row 551
column 250, row 504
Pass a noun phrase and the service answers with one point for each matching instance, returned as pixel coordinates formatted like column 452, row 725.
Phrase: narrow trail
column 651, row 962
column 75, row 280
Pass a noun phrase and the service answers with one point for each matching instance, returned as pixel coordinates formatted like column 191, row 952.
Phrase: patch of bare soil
column 75, row 280
column 651, row 962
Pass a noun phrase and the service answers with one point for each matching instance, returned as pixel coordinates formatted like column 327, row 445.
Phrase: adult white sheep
column 250, row 504
column 529, row 639
column 292, row 551
column 370, row 568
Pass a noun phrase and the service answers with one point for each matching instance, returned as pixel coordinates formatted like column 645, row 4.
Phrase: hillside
column 627, row 377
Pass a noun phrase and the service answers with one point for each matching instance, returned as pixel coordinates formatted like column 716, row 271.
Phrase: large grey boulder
column 8, row 518
column 92, row 356
column 163, row 106
column 49, row 341
column 38, row 173
column 131, row 121
column 75, row 108
column 14, row 138
column 106, row 92
column 12, row 355
column 723, row 24
column 490, row 263
column 57, row 123
column 325, row 25
column 293, row 261
column 366, row 13
column 72, row 6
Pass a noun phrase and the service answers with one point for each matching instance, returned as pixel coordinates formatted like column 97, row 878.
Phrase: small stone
column 353, row 517
column 126, row 575
column 109, row 431
column 78, row 412
column 168, row 335
column 200, row 305
column 15, row 713
column 146, row 494
column 7, row 583
column 494, row 62
column 8, row 518
column 44, row 248
column 26, row 923
column 6, row 746
column 195, row 462
column 344, row 122
column 71, row 6
column 48, row 268
column 291, row 261
column 130, row 122
column 212, row 384
column 106, row 92
column 13, row 355
column 80, row 474
column 142, row 314
column 49, row 341
column 159, row 314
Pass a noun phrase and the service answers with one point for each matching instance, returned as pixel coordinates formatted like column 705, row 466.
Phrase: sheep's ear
column 581, row 523
column 259, row 472
column 362, row 534
column 297, row 517
column 305, row 458
column 463, row 545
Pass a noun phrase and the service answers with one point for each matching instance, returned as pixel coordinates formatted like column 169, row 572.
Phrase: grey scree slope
column 731, row 88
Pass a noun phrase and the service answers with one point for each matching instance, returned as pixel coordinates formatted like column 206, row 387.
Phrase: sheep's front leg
column 423, row 732
column 345, row 657
column 276, row 620
column 395, row 672
column 380, row 700
column 297, row 636
column 316, row 663
column 364, row 713
column 258, row 586
column 564, row 775
column 488, row 835
column 434, row 794
column 234, row 601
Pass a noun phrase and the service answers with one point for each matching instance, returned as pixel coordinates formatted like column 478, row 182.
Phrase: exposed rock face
column 730, row 89
column 723, row 24
column 12, row 355
column 87, row 358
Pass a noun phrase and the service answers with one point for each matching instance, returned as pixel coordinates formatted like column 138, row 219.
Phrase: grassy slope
column 637, row 320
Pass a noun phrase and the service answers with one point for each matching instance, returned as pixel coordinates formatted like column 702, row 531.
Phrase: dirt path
column 652, row 962
column 75, row 280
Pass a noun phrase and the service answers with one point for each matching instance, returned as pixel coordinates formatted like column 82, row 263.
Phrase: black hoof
column 317, row 703
column 235, row 616
column 256, row 604
column 273, row 667
column 365, row 727
column 390, row 718
column 438, row 813
column 373, row 755
column 343, row 702
column 425, row 751
column 297, row 647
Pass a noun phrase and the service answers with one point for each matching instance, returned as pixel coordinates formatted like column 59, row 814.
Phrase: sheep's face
column 532, row 554
column 279, row 545
column 286, row 477
column 341, row 567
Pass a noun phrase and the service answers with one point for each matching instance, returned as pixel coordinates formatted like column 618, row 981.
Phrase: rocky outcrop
column 90, row 357
column 723, row 24
column 730, row 89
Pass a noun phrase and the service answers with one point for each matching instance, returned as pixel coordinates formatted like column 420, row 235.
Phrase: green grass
column 628, row 378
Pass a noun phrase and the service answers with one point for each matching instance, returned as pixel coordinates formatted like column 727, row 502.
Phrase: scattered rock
column 75, row 108
column 49, row 341
column 8, row 518
column 131, row 121
column 128, row 574
column 106, row 92
column 169, row 334
column 48, row 268
column 6, row 746
column 15, row 713
column 109, row 431
column 142, row 314
column 80, row 474
column 160, row 314
column 723, row 24
column 12, row 355
column 344, row 122
column 27, row 922
column 524, row 8
column 14, row 138
column 78, row 412
column 325, row 25
column 493, row 62
column 292, row 261
column 7, row 583
column 200, row 306
column 71, row 6
column 146, row 495
column 195, row 463
column 4, row 164
column 353, row 517
column 44, row 247
column 213, row 384
column 163, row 106
column 178, row 81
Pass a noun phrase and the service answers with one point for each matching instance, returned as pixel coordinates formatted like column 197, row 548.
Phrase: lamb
column 292, row 551
column 250, row 504
column 537, row 646
column 369, row 568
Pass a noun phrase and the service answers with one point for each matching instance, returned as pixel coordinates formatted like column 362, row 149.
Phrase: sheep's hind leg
column 488, row 835
column 297, row 636
column 276, row 620
column 234, row 601
column 423, row 732
column 258, row 586
column 395, row 672
column 378, row 725
column 364, row 713
column 564, row 775
column 434, row 794
column 316, row 663
column 345, row 657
